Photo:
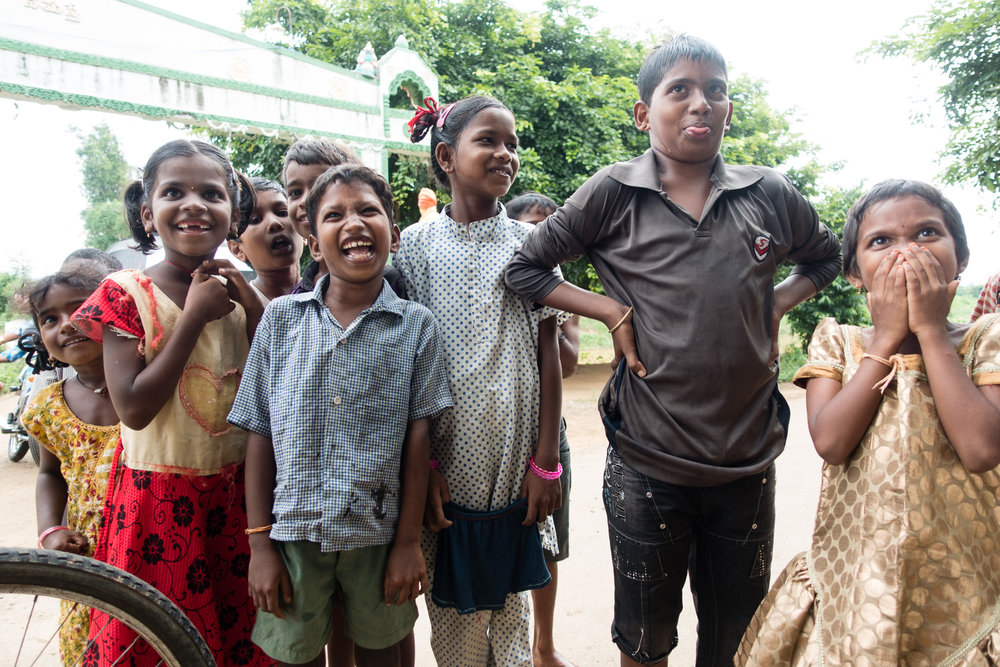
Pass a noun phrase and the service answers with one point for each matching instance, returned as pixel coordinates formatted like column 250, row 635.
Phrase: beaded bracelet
column 47, row 532
column 261, row 529
column 543, row 473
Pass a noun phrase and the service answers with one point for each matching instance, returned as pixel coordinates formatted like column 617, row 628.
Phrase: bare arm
column 270, row 586
column 50, row 506
column 789, row 293
column 406, row 571
column 573, row 299
column 139, row 391
column 970, row 415
column 545, row 496
column 569, row 345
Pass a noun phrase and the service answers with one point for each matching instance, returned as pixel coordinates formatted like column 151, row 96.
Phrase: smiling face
column 269, row 242
column 62, row 341
column 299, row 179
column 484, row 163
column 893, row 224
column 688, row 113
column 189, row 207
column 354, row 233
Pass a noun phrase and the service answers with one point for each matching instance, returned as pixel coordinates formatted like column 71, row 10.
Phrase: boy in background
column 532, row 208
column 686, row 248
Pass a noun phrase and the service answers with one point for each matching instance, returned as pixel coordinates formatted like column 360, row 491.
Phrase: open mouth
column 281, row 245
column 502, row 171
column 358, row 250
column 75, row 340
column 194, row 227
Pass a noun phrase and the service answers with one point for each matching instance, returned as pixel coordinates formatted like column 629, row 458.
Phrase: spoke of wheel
column 55, row 634
column 24, row 636
column 126, row 651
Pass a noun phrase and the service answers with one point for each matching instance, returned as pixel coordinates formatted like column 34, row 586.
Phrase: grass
column 9, row 372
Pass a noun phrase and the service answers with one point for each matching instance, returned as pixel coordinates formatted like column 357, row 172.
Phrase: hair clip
column 444, row 114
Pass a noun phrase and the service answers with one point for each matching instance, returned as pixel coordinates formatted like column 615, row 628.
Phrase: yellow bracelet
column 621, row 321
column 251, row 531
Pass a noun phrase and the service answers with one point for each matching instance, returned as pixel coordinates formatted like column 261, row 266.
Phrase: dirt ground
column 584, row 607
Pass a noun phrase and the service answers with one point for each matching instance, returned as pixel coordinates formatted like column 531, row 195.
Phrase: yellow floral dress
column 904, row 567
column 85, row 452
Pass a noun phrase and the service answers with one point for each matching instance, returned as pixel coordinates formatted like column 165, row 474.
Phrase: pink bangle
column 434, row 464
column 47, row 532
column 545, row 474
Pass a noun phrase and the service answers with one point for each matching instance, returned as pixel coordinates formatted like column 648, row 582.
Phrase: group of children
column 273, row 466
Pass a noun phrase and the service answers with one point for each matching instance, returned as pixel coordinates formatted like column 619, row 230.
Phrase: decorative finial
column 401, row 42
column 366, row 61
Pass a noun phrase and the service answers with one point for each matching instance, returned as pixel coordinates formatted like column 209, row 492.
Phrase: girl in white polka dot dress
column 503, row 369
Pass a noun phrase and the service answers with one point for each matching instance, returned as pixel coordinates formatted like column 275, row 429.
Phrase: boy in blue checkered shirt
column 337, row 395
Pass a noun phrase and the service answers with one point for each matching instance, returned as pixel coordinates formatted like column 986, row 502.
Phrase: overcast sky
column 859, row 111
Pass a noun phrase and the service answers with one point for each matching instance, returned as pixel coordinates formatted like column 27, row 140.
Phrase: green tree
column 962, row 39
column 105, row 173
column 10, row 283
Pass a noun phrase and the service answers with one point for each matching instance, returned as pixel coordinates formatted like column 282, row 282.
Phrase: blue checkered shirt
column 336, row 404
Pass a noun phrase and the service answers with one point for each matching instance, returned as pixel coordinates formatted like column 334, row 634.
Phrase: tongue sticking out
column 698, row 130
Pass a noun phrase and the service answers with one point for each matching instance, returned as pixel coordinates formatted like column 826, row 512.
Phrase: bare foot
column 550, row 658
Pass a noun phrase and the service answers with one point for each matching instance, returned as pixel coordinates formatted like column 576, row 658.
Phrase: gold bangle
column 261, row 529
column 621, row 321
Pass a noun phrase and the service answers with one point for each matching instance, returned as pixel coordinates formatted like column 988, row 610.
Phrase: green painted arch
column 419, row 87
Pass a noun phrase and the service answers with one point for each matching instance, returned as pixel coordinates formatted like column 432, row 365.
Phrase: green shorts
column 317, row 577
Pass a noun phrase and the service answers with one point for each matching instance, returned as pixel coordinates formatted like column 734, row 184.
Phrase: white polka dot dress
column 483, row 444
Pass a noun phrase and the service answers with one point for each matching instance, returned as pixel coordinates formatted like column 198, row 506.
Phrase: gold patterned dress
column 85, row 452
column 904, row 567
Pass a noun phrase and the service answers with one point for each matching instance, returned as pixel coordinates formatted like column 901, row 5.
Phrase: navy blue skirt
column 484, row 556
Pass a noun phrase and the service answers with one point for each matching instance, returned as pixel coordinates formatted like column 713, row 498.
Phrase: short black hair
column 318, row 151
column 349, row 173
column 666, row 55
column 99, row 257
column 523, row 203
column 897, row 188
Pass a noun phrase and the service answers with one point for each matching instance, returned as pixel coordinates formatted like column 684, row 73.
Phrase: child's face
column 353, row 231
column 269, row 241
column 299, row 178
column 61, row 339
column 485, row 162
column 893, row 224
column 189, row 207
column 688, row 113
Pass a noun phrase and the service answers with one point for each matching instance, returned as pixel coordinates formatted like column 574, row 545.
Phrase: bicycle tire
column 16, row 447
column 151, row 614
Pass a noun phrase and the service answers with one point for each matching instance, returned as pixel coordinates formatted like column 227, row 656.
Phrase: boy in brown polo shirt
column 686, row 248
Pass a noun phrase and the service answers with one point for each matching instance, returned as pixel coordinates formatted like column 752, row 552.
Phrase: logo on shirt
column 761, row 246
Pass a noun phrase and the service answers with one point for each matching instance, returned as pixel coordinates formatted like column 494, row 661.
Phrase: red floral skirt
column 183, row 534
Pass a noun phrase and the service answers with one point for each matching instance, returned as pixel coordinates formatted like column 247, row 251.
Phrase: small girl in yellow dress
column 906, row 415
column 78, row 429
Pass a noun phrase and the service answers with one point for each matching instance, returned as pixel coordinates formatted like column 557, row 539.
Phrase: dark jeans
column 659, row 531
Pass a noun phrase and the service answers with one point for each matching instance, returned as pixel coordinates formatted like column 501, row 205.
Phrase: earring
column 861, row 290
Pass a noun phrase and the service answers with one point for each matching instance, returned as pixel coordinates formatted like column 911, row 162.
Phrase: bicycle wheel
column 16, row 447
column 54, row 574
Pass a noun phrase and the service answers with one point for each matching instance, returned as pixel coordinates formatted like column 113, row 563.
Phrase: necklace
column 178, row 266
column 100, row 391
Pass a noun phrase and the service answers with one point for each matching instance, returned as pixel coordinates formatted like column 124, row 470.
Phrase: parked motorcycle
column 20, row 443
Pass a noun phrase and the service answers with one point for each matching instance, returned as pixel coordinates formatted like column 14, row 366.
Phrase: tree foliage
column 105, row 173
column 962, row 39
column 11, row 282
column 105, row 170
column 571, row 87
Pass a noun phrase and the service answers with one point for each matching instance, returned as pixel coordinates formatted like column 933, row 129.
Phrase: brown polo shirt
column 702, row 289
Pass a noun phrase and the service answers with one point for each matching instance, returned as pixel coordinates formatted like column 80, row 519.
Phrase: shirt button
column 663, row 526
column 764, row 481
column 341, row 341
column 754, row 526
column 336, row 400
column 649, row 494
